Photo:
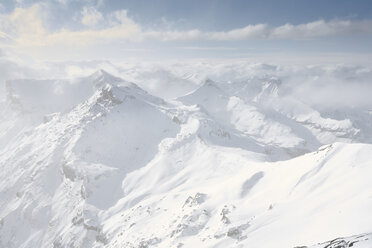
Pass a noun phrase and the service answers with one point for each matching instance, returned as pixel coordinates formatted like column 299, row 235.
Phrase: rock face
column 362, row 240
column 99, row 162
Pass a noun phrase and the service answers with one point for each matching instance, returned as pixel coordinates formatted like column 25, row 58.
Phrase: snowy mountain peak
column 60, row 95
column 208, row 92
column 101, row 72
column 269, row 89
column 101, row 77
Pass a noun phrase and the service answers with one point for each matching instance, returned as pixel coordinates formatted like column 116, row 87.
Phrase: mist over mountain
column 187, row 154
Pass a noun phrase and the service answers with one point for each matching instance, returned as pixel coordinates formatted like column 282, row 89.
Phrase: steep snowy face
column 78, row 157
column 32, row 102
column 240, row 201
column 261, row 112
column 99, row 162
column 122, row 127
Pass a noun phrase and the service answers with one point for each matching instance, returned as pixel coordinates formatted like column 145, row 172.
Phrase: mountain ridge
column 122, row 168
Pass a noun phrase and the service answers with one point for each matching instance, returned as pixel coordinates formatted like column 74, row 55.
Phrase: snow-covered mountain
column 99, row 162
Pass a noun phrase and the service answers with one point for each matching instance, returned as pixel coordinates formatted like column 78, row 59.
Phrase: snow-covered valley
column 232, row 161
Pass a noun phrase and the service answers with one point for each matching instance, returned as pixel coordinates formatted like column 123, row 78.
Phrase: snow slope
column 99, row 162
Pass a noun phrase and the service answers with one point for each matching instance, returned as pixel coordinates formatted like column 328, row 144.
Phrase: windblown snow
column 186, row 160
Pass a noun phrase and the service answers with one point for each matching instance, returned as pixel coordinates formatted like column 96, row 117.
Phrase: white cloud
column 27, row 28
column 90, row 16
column 173, row 35
column 62, row 1
column 314, row 29
column 19, row 1
column 96, row 3
column 118, row 27
column 259, row 31
column 200, row 48
column 322, row 28
column 24, row 25
column 3, row 35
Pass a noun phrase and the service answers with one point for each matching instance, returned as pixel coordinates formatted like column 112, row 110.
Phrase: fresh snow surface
column 99, row 162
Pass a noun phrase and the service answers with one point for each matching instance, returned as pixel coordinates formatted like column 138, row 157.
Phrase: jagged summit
column 207, row 94
column 101, row 73
column 269, row 89
column 102, row 77
column 48, row 96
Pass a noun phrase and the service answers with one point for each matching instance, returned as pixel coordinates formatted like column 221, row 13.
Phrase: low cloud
column 329, row 86
column 337, row 86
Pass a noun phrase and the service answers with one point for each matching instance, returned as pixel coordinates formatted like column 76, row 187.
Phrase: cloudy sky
column 117, row 29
